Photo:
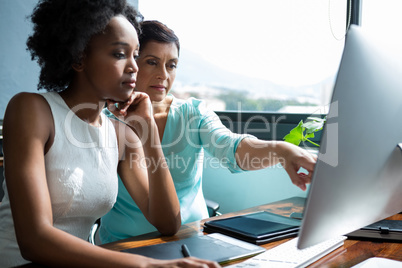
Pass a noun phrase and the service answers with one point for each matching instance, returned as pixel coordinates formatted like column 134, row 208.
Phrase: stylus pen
column 185, row 251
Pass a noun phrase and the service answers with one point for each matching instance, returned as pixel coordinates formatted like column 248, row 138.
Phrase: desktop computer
column 358, row 176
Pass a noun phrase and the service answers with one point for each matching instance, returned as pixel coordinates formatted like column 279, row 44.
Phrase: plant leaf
column 312, row 126
column 315, row 124
column 295, row 136
column 318, row 119
column 309, row 135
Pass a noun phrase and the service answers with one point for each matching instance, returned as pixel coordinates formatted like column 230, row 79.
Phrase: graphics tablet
column 214, row 247
column 258, row 228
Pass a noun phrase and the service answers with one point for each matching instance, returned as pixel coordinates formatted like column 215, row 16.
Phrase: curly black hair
column 62, row 30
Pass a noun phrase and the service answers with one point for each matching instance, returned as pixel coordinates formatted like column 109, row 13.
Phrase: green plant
column 305, row 131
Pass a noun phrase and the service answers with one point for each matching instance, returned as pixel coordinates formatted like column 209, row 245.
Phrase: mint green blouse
column 190, row 129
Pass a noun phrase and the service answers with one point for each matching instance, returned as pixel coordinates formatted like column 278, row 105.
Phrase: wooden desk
column 351, row 253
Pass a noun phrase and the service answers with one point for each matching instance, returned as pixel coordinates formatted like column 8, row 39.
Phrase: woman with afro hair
column 61, row 153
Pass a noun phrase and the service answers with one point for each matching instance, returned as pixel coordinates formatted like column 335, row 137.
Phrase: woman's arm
column 246, row 153
column 143, row 168
column 28, row 132
column 254, row 154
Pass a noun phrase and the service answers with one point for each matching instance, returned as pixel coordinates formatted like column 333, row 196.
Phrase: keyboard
column 287, row 255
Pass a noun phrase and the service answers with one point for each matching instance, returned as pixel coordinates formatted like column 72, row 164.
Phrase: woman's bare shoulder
column 24, row 100
column 28, row 112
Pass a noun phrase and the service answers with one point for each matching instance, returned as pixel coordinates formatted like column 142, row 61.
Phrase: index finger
column 309, row 162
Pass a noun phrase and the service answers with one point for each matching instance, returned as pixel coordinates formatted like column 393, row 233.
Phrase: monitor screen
column 358, row 176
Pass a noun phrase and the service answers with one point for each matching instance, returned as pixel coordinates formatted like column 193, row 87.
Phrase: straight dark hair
column 153, row 30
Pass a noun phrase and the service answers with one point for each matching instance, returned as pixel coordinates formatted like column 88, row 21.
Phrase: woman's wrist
column 282, row 148
column 144, row 127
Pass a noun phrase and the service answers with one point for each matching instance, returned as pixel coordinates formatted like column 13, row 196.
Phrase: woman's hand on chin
column 135, row 112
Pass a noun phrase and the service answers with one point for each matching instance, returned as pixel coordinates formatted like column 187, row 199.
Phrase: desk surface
column 351, row 253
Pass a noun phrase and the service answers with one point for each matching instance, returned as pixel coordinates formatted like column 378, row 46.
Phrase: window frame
column 266, row 125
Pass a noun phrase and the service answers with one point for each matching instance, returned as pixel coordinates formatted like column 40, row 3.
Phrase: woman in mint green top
column 186, row 129
column 190, row 128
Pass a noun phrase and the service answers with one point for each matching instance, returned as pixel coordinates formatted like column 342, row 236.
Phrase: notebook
column 215, row 247
column 383, row 230
column 257, row 228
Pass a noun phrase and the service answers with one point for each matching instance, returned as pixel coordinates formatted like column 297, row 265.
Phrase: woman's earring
column 78, row 66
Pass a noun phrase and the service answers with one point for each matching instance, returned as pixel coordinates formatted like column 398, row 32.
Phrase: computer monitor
column 358, row 176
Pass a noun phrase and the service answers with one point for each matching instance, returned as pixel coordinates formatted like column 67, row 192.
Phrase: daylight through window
column 257, row 55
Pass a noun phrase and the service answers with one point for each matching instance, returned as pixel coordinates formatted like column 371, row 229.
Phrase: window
column 383, row 19
column 257, row 55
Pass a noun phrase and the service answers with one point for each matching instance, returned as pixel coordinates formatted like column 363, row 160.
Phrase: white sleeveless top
column 81, row 172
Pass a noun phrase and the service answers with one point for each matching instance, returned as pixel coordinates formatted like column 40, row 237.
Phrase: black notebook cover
column 214, row 247
column 258, row 228
column 384, row 230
